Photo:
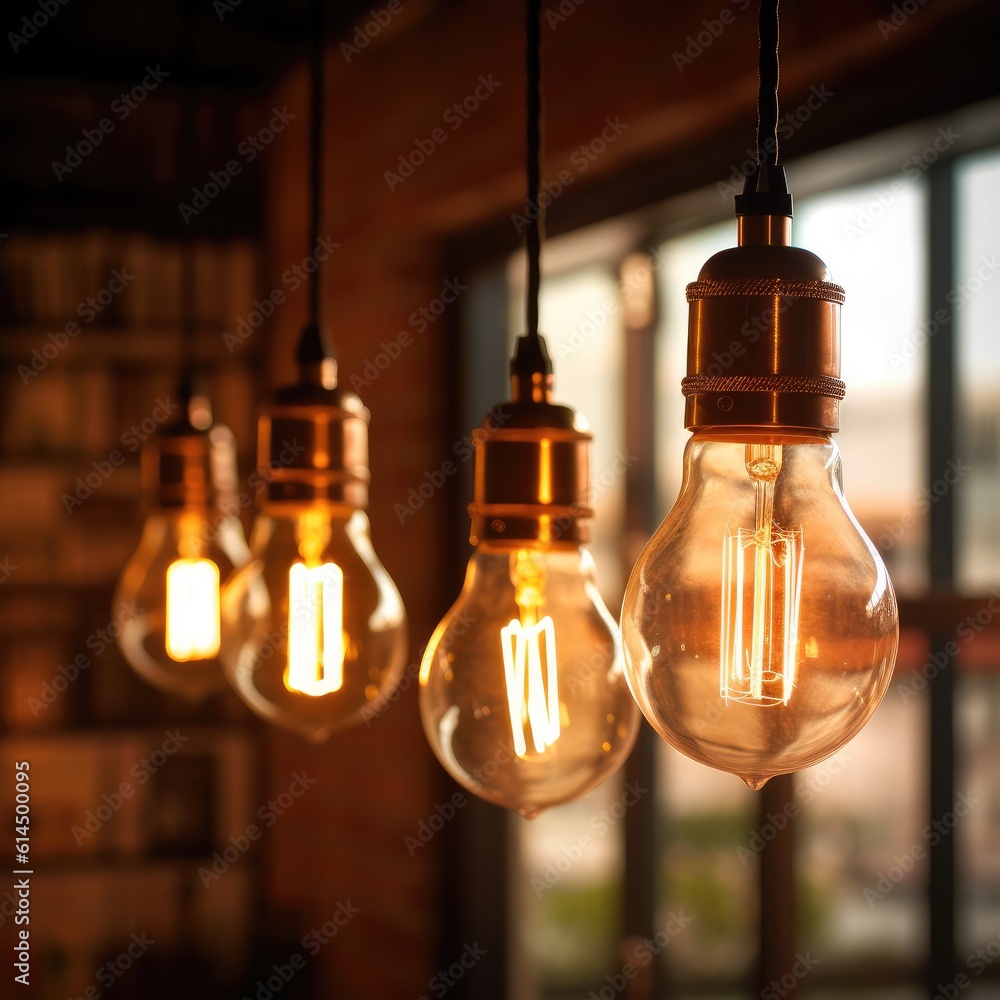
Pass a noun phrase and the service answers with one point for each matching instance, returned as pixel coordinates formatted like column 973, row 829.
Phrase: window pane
column 703, row 817
column 861, row 854
column 977, row 832
column 681, row 259
column 975, row 302
column 883, row 270
column 566, row 894
column 566, row 887
column 581, row 321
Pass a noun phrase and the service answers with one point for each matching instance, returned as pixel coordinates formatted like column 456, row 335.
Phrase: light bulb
column 191, row 540
column 759, row 623
column 522, row 689
column 314, row 631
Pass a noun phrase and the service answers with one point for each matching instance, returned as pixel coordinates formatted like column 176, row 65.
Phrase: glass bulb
column 314, row 628
column 759, row 624
column 170, row 586
column 522, row 690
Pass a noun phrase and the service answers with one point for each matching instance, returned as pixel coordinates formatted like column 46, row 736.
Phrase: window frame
column 866, row 160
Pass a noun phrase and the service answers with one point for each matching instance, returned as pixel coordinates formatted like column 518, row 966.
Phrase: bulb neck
column 763, row 230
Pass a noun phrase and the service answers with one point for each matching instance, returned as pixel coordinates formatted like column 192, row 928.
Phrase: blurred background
column 874, row 874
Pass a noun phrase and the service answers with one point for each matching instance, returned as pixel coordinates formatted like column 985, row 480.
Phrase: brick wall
column 686, row 123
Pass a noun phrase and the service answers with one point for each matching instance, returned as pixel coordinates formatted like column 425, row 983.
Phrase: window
column 868, row 892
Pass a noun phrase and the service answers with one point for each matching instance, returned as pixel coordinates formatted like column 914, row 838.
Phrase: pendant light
column 759, row 624
column 191, row 537
column 522, row 690
column 314, row 628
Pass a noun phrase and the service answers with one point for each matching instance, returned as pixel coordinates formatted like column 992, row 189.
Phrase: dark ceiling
column 239, row 44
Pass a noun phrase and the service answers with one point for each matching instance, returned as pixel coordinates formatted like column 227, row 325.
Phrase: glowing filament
column 529, row 666
column 529, row 657
column 192, row 610
column 315, row 629
column 760, row 602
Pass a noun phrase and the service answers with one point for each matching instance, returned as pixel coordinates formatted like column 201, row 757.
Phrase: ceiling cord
column 531, row 358
column 767, row 75
column 314, row 344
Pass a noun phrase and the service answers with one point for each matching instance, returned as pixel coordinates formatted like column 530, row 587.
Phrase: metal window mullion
column 941, row 436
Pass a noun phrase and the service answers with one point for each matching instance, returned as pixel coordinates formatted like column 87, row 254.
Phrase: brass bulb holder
column 185, row 466
column 764, row 336
column 312, row 442
column 531, row 471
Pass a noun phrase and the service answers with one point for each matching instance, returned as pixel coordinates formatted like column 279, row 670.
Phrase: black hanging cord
column 187, row 151
column 533, row 66
column 316, row 95
column 314, row 345
column 766, row 190
column 767, row 90
column 530, row 355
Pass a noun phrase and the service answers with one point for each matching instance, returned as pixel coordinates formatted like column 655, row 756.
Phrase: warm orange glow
column 192, row 631
column 315, row 629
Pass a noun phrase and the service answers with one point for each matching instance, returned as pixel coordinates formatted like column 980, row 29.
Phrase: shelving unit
column 118, row 846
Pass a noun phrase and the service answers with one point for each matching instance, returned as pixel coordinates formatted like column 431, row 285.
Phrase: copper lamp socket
column 531, row 471
column 312, row 443
column 764, row 336
column 187, row 466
